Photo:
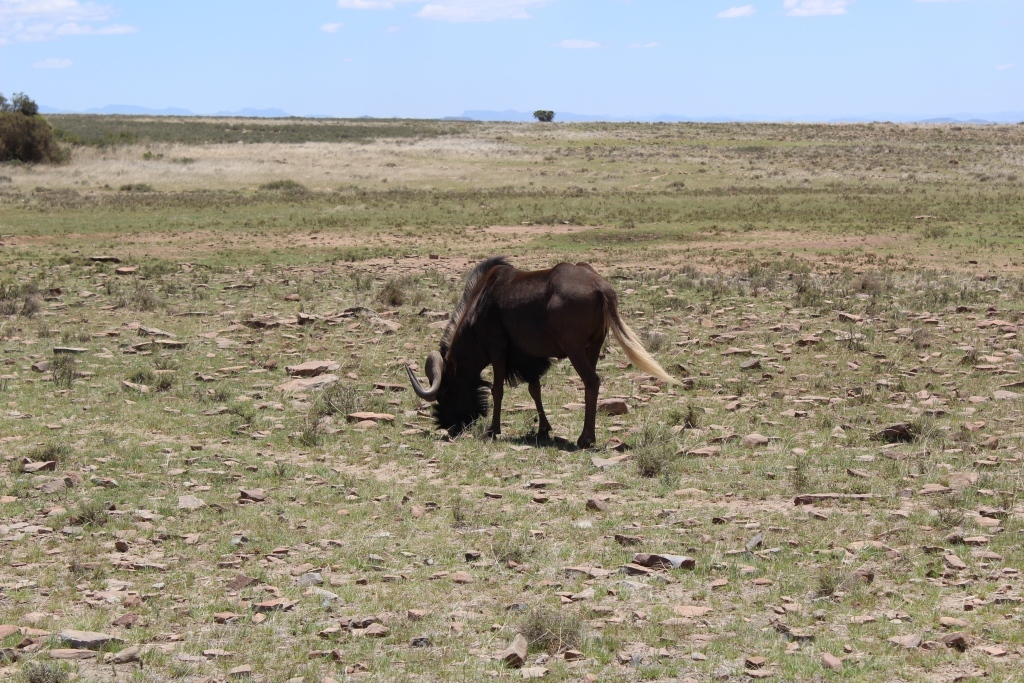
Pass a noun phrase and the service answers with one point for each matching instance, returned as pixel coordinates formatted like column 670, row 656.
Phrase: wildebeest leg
column 497, row 392
column 543, row 426
column 587, row 369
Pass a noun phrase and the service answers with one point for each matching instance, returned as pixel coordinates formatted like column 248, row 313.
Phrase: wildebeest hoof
column 585, row 441
column 490, row 434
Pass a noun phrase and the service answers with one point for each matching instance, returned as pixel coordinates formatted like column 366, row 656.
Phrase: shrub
column 654, row 452
column 45, row 672
column 136, row 187
column 63, row 368
column 552, row 631
column 393, row 292
column 24, row 135
column 285, row 186
column 91, row 513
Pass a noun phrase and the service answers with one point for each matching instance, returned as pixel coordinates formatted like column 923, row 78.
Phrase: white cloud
column 455, row 10
column 643, row 46
column 53, row 63
column 332, row 27
column 736, row 12
column 40, row 20
column 1004, row 67
column 579, row 44
column 816, row 8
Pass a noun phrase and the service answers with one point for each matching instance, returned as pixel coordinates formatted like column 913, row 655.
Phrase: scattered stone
column 956, row 640
column 371, row 417
column 252, row 495
column 831, row 662
column 71, row 653
column 239, row 582
column 375, row 631
column 226, row 617
column 954, row 562
column 515, row 654
column 612, row 406
column 909, row 642
column 755, row 440
column 664, row 561
column 313, row 368
column 125, row 656
column 190, row 503
column 308, row 383
column 812, row 498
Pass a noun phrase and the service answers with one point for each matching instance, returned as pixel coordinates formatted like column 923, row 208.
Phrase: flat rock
column 954, row 562
column 590, row 572
column 909, row 642
column 190, row 503
column 612, row 406
column 71, row 653
column 664, row 561
column 956, row 640
column 812, row 498
column 125, row 656
column 312, row 368
column 252, row 495
column 705, row 451
column 372, row 417
column 897, row 433
column 239, row 582
column 89, row 640
column 755, row 440
column 306, row 383
column 831, row 662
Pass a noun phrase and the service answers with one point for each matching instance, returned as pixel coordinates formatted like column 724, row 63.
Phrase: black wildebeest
column 516, row 321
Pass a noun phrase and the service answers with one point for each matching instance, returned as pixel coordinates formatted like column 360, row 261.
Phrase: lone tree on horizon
column 544, row 115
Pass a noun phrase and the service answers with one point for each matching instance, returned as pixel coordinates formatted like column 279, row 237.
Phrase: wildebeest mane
column 471, row 303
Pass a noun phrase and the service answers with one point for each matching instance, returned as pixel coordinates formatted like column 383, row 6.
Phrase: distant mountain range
column 569, row 117
column 132, row 110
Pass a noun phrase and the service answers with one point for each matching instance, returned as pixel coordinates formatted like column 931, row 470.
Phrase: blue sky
column 810, row 59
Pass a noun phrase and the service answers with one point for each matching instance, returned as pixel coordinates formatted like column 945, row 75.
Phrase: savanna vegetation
column 837, row 477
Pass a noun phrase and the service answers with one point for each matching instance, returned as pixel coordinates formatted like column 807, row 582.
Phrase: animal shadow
column 538, row 441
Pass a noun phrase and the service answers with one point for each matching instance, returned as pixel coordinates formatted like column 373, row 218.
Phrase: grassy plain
column 810, row 284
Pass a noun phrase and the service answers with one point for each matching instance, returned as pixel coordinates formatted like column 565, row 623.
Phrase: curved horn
column 435, row 368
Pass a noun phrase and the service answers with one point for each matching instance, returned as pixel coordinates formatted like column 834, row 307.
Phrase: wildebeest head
column 459, row 399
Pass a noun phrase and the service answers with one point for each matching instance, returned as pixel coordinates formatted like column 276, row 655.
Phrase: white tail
column 635, row 350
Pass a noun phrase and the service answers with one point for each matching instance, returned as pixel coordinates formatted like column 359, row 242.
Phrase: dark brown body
column 515, row 321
